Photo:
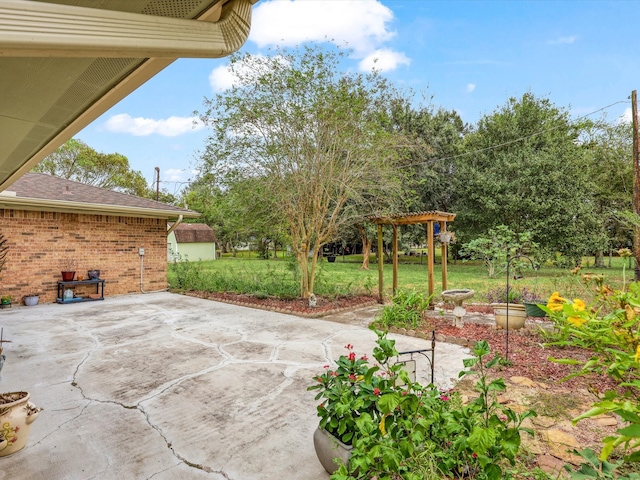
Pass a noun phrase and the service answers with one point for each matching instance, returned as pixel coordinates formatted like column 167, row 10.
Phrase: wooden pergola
column 428, row 218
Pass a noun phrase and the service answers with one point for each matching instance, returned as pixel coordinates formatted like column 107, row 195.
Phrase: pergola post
column 444, row 255
column 380, row 266
column 395, row 259
column 430, row 254
column 416, row 218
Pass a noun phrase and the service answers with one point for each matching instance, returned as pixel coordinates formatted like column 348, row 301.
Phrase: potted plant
column 68, row 269
column 17, row 414
column 390, row 422
column 31, row 299
column 5, row 300
column 511, row 306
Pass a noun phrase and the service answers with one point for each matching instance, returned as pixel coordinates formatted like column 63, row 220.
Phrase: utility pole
column 158, row 183
column 636, row 181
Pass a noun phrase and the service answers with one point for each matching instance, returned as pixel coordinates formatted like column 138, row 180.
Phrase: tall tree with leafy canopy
column 609, row 149
column 525, row 169
column 75, row 160
column 310, row 135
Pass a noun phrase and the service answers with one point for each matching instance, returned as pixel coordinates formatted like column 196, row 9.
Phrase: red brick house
column 47, row 220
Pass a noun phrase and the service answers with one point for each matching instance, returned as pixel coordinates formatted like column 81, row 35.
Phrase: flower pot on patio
column 329, row 448
column 17, row 414
column 517, row 315
column 31, row 300
column 68, row 276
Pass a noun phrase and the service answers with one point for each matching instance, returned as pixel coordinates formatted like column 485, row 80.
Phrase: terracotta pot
column 517, row 315
column 68, row 276
column 17, row 414
column 329, row 448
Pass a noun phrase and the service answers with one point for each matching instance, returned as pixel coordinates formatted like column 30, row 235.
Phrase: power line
column 492, row 147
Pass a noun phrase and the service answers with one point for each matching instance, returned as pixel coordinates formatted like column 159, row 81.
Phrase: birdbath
column 457, row 297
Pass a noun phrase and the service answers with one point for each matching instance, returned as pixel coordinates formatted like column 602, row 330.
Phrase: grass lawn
column 245, row 273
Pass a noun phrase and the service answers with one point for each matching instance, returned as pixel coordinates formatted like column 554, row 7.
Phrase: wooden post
column 395, row 259
column 636, row 181
column 430, row 254
column 380, row 266
column 443, row 256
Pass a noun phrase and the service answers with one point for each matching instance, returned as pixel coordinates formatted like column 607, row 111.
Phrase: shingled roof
column 194, row 233
column 39, row 191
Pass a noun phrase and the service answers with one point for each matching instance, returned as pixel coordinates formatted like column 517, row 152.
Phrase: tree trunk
column 303, row 263
column 599, row 259
column 366, row 248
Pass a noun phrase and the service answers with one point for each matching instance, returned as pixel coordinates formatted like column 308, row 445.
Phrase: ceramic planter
column 17, row 414
column 329, row 448
column 517, row 315
column 31, row 300
column 533, row 310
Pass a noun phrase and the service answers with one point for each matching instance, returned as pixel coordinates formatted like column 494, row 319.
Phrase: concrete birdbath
column 457, row 297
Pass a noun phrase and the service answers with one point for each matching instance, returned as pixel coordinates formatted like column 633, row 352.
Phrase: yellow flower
column 382, row 429
column 629, row 312
column 637, row 357
column 577, row 321
column 555, row 302
column 579, row 305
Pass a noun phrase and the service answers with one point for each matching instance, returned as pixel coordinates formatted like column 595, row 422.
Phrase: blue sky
column 470, row 56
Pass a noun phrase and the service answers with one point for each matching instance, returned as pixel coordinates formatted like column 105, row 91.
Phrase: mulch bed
column 527, row 352
column 324, row 306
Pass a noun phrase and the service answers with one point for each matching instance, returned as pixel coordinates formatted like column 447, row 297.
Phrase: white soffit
column 65, row 62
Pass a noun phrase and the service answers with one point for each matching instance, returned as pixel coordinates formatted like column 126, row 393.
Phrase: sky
column 469, row 56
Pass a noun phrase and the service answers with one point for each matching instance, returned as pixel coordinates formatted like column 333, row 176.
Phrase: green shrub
column 406, row 310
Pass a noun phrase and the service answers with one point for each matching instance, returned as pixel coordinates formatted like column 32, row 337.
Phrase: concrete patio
column 166, row 386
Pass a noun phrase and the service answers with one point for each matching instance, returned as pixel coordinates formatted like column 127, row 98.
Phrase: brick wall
column 41, row 241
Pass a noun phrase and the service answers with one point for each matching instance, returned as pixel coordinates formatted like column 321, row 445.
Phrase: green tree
column 310, row 136
column 609, row 148
column 525, row 169
column 77, row 161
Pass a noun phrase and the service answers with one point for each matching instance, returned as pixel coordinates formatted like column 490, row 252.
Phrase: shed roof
column 194, row 233
column 42, row 192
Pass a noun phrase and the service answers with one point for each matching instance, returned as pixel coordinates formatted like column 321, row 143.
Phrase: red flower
column 364, row 357
column 326, row 366
column 352, row 377
column 376, row 391
column 348, row 346
column 474, row 455
column 444, row 398
column 352, row 356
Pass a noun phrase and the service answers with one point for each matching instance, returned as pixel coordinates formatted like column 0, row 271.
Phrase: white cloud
column 362, row 24
column 222, row 78
column 563, row 40
column 626, row 116
column 173, row 175
column 140, row 126
column 383, row 60
column 471, row 87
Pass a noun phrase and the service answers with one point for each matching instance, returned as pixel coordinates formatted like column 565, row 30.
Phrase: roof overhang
column 35, row 204
column 63, row 63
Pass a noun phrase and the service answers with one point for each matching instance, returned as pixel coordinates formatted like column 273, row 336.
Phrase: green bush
column 406, row 310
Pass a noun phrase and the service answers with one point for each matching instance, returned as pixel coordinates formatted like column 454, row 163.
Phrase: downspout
column 142, row 290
